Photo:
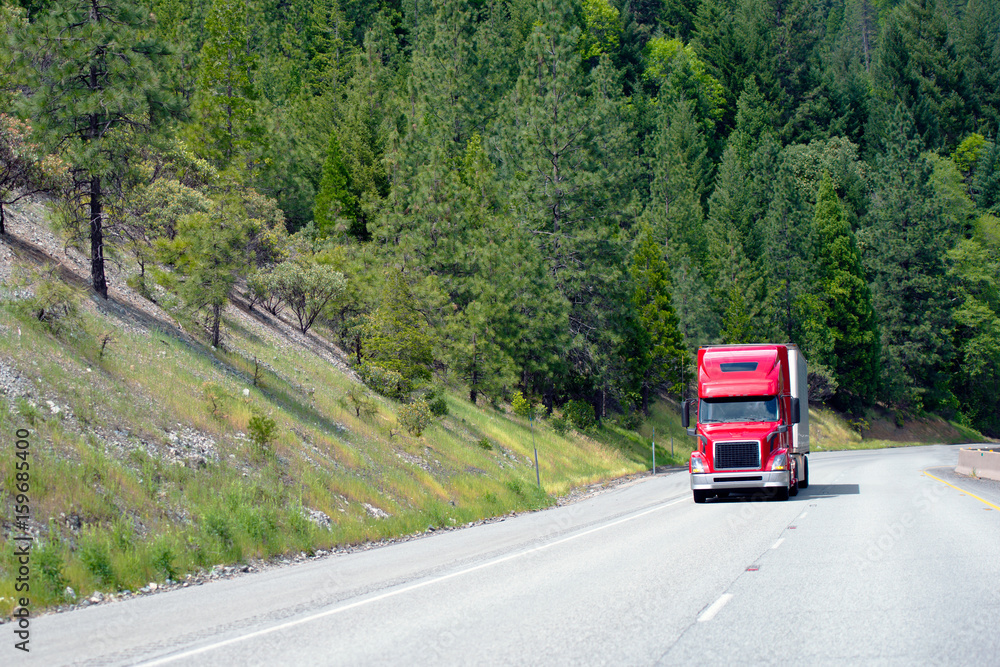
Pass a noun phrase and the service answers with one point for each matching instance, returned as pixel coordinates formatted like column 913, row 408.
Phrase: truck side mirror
column 685, row 419
column 795, row 411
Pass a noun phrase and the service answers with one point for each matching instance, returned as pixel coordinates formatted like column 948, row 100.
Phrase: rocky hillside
column 155, row 456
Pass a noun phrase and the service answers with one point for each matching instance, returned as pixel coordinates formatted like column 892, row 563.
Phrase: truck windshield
column 749, row 409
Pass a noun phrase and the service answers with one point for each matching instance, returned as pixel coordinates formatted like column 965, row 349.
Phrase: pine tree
column 906, row 239
column 330, row 47
column 847, row 304
column 13, row 22
column 986, row 184
column 976, row 374
column 978, row 42
column 917, row 65
column 717, row 42
column 396, row 335
column 211, row 251
column 563, row 151
column 664, row 360
column 680, row 175
column 335, row 212
column 227, row 128
column 787, row 235
column 95, row 72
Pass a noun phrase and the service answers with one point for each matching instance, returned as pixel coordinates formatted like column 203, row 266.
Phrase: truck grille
column 730, row 455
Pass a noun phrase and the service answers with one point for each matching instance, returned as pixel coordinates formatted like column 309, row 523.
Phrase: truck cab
column 749, row 427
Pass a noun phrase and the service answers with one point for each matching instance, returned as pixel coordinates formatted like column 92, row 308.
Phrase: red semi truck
column 752, row 421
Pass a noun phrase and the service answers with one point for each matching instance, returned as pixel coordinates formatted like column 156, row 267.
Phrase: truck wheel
column 699, row 496
column 804, row 484
column 793, row 490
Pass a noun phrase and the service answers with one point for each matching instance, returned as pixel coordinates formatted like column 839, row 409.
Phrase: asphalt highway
column 888, row 558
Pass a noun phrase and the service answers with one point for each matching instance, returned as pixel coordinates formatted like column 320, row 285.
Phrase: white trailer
column 799, row 379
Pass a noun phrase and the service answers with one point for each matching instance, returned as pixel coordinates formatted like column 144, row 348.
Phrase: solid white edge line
column 778, row 543
column 710, row 613
column 331, row 612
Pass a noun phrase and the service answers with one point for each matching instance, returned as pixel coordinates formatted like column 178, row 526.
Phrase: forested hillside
column 559, row 197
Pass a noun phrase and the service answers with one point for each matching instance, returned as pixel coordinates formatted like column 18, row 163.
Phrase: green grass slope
column 144, row 465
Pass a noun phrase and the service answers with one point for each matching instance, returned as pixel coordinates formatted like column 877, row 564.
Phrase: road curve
column 888, row 557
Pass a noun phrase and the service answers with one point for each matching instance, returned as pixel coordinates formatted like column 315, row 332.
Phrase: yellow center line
column 962, row 490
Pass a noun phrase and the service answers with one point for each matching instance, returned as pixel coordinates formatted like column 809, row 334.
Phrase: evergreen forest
column 557, row 201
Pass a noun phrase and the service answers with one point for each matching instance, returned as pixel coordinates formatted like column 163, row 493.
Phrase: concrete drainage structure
column 979, row 462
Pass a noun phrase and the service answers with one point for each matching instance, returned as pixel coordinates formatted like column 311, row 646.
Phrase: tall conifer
column 95, row 72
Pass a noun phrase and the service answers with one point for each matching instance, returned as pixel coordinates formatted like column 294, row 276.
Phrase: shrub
column 386, row 382
column 439, row 407
column 262, row 431
column 56, row 305
column 138, row 283
column 49, row 560
column 484, row 443
column 260, row 289
column 434, row 397
column 28, row 411
column 559, row 425
column 631, row 419
column 97, row 560
column 580, row 414
column 415, row 417
column 163, row 560
column 215, row 398
column 822, row 384
column 522, row 406
column 359, row 400
column 307, row 287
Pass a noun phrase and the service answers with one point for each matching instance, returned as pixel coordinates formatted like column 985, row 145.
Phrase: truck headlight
column 698, row 463
column 778, row 461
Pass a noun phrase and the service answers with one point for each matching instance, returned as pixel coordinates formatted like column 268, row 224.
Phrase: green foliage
column 260, row 290
column 97, row 92
column 434, row 397
column 385, row 381
column 602, row 28
column 415, row 417
column 522, row 406
column 49, row 559
column 336, row 210
column 663, row 360
column 907, row 238
column 986, row 185
column 164, row 559
column 95, row 556
column 211, row 251
column 13, row 21
column 975, row 265
column 56, row 305
column 152, row 213
column 680, row 74
column 565, row 198
column 395, row 335
column 24, row 169
column 846, row 302
column 227, row 126
column 966, row 156
column 580, row 414
column 307, row 287
column 262, row 431
column 215, row 398
column 360, row 401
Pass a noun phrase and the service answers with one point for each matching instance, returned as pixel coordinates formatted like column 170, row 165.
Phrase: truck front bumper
column 732, row 481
